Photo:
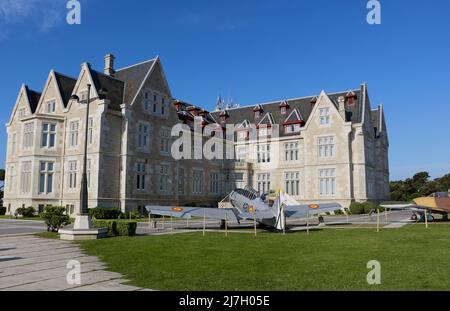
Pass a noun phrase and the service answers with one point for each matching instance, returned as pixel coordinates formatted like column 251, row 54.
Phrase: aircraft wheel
column 321, row 220
column 430, row 218
column 414, row 217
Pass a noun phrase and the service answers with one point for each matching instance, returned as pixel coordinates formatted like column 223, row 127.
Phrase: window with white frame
column 90, row 130
column 143, row 137
column 292, row 128
column 214, row 183
column 25, row 177
column 181, row 181
column 292, row 183
column 50, row 106
column 263, row 153
column 28, row 132
column 327, row 182
column 263, row 181
column 239, row 180
column 291, row 151
column 164, row 179
column 48, row 135
column 325, row 147
column 72, row 175
column 46, row 170
column 197, row 182
column 140, row 175
column 264, row 131
column 74, row 126
column 165, row 141
column 324, row 116
column 241, row 153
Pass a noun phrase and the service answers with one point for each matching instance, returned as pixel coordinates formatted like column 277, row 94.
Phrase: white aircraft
column 249, row 205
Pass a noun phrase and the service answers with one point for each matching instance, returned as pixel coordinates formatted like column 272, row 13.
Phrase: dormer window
column 258, row 111
column 264, row 131
column 351, row 98
column 50, row 106
column 284, row 106
column 292, row 128
column 293, row 122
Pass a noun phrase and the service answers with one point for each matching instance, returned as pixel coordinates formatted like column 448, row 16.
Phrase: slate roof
column 114, row 87
column 33, row 98
column 303, row 105
column 66, row 85
column 133, row 77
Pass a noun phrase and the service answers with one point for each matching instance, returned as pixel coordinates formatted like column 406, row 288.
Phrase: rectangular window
column 22, row 113
column 28, row 132
column 292, row 183
column 291, row 151
column 324, row 116
column 325, row 147
column 264, row 131
column 73, row 133
column 48, row 135
column 146, row 101
column 165, row 141
column 327, row 182
column 181, row 181
column 143, row 136
column 292, row 128
column 241, row 153
column 10, row 181
column 263, row 183
column 214, row 183
column 72, row 175
column 25, row 178
column 50, row 106
column 46, row 170
column 163, row 106
column 88, row 172
column 197, row 182
column 164, row 179
column 155, row 103
column 140, row 176
column 90, row 130
column 263, row 153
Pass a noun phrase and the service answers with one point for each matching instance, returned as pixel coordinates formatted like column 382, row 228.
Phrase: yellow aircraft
column 436, row 203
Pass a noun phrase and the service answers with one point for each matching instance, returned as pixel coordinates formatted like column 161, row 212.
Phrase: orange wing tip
column 314, row 206
column 177, row 209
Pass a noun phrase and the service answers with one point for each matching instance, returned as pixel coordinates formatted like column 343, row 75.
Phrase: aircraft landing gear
column 321, row 221
column 414, row 217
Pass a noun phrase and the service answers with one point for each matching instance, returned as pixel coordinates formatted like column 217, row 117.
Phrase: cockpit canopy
column 440, row 195
column 248, row 192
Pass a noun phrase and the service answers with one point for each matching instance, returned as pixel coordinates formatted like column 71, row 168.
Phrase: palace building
column 323, row 148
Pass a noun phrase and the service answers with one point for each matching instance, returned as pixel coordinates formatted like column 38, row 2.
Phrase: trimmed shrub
column 104, row 213
column 369, row 206
column 117, row 228
column 126, row 228
column 55, row 218
column 356, row 208
column 26, row 211
column 110, row 224
column 134, row 215
column 2, row 210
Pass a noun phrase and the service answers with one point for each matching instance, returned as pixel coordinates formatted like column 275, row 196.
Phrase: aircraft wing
column 300, row 211
column 404, row 206
column 189, row 212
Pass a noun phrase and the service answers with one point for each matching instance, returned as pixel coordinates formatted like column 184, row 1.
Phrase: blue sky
column 254, row 51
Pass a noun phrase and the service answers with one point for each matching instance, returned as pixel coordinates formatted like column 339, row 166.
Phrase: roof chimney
column 109, row 65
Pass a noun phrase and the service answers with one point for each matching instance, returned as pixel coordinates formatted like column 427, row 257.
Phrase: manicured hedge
column 26, row 211
column 2, row 210
column 104, row 213
column 357, row 208
column 117, row 228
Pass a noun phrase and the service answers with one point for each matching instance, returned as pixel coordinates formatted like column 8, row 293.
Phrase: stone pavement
column 28, row 263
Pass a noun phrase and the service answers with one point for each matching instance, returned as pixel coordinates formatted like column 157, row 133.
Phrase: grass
column 411, row 258
column 21, row 218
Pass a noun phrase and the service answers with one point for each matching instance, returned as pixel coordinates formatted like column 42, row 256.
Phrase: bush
column 104, row 213
column 2, row 210
column 368, row 206
column 55, row 218
column 356, row 208
column 26, row 211
column 110, row 224
column 134, row 215
column 117, row 228
column 126, row 228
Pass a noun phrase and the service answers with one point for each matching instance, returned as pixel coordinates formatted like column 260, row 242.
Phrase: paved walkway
column 28, row 263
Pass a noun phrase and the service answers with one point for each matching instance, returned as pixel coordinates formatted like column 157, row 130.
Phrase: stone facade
column 130, row 164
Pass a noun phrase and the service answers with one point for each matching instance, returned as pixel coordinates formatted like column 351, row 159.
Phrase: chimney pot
column 109, row 65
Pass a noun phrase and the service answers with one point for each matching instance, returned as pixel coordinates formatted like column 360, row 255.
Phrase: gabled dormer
column 243, row 130
column 258, row 111
column 350, row 98
column 284, row 107
column 56, row 94
column 25, row 105
column 293, row 123
column 265, row 126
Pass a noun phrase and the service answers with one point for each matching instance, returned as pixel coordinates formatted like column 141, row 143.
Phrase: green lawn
column 411, row 258
column 21, row 218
